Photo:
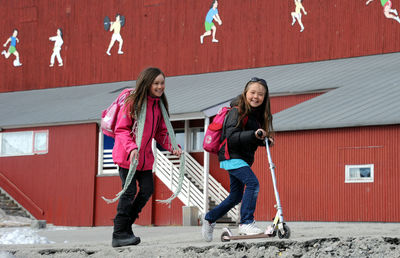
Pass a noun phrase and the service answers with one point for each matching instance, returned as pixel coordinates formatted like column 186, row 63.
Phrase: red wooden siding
column 60, row 182
column 311, row 175
column 166, row 34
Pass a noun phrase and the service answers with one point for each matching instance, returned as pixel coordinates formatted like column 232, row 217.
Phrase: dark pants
column 239, row 178
column 130, row 204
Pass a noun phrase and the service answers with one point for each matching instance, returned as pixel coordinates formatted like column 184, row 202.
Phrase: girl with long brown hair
column 246, row 126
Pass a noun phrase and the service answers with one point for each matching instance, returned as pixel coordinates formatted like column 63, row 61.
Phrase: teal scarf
column 133, row 166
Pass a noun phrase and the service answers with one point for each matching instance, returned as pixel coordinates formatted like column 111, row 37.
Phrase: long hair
column 143, row 84
column 61, row 33
column 265, row 108
column 212, row 4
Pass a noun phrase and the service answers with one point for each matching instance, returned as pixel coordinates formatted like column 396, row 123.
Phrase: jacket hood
column 235, row 101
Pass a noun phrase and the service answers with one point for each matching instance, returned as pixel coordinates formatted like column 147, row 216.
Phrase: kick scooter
column 278, row 227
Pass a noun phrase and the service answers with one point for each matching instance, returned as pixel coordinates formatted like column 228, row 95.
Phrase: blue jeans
column 239, row 178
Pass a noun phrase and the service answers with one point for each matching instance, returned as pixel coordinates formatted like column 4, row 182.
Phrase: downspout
column 206, row 170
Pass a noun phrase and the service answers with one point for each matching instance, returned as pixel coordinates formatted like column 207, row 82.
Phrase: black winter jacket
column 242, row 142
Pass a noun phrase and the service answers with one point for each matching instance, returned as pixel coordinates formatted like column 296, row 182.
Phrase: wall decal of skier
column 296, row 15
column 58, row 42
column 209, row 25
column 116, row 27
column 387, row 9
column 13, row 40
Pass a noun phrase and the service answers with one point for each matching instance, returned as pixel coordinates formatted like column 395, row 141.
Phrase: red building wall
column 311, row 175
column 61, row 182
column 165, row 33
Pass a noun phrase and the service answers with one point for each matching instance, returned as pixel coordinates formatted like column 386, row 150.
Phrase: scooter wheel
column 225, row 237
column 286, row 233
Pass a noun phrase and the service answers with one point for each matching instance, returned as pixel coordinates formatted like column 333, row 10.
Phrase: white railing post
column 171, row 176
column 188, row 195
column 155, row 153
column 100, row 153
column 206, row 170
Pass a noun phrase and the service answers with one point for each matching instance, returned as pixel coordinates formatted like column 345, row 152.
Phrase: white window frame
column 359, row 179
column 191, row 139
column 47, row 142
column 101, row 171
column 32, row 152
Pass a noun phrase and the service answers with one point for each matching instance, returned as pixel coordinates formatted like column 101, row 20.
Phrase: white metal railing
column 168, row 173
column 217, row 193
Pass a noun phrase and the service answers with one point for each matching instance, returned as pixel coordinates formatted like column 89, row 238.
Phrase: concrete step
column 10, row 207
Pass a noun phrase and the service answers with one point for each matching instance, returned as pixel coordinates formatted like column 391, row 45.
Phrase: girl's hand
column 134, row 155
column 271, row 141
column 177, row 152
column 261, row 134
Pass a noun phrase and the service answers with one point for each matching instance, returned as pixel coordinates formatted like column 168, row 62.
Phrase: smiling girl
column 149, row 89
column 249, row 118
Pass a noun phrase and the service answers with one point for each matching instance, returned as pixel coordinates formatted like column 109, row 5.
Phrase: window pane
column 40, row 142
column 354, row 172
column 365, row 172
column 199, row 139
column 197, row 136
column 180, row 139
column 18, row 143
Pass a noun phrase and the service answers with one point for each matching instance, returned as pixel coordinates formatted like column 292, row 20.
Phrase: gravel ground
column 308, row 239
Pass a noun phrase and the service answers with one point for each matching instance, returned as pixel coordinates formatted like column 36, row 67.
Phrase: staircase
column 166, row 167
column 10, row 207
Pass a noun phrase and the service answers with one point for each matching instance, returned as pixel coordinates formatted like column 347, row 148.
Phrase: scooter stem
column 272, row 169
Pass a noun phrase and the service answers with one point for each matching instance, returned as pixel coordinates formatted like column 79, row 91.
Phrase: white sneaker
column 395, row 12
column 3, row 53
column 201, row 39
column 108, row 53
column 215, row 40
column 120, row 52
column 207, row 230
column 249, row 229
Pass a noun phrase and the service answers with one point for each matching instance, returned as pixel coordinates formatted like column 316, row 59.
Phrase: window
column 359, row 173
column 23, row 143
column 196, row 139
column 108, row 166
column 180, row 138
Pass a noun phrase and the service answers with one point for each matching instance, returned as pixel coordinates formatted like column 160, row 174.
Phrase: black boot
column 132, row 240
column 123, row 235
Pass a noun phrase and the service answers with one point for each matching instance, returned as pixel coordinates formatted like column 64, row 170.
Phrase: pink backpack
column 212, row 138
column 109, row 115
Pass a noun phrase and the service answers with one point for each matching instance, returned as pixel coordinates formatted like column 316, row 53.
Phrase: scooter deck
column 239, row 237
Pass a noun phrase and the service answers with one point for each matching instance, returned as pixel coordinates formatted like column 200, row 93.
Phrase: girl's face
column 158, row 86
column 255, row 94
column 15, row 33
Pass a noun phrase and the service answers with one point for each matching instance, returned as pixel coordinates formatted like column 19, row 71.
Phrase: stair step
column 10, row 207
